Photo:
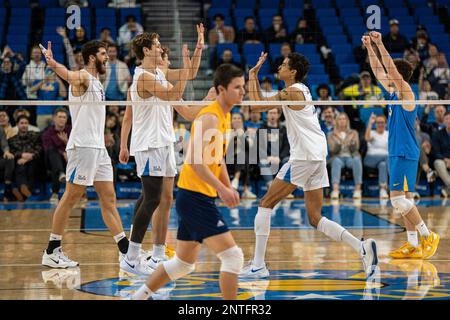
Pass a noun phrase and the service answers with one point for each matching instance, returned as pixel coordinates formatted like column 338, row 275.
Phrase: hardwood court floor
column 304, row 264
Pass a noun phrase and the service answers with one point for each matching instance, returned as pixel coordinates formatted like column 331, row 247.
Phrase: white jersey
column 153, row 122
column 306, row 139
column 88, row 121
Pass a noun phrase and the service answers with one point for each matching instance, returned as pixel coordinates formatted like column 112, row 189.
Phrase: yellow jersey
column 188, row 179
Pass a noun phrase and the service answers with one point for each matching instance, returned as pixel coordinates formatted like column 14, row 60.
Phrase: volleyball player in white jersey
column 152, row 142
column 88, row 161
column 306, row 167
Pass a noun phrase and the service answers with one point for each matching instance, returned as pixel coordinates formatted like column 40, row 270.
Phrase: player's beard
column 101, row 68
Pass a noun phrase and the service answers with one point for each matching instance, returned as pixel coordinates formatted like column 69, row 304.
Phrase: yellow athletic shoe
column 170, row 252
column 407, row 251
column 430, row 275
column 429, row 245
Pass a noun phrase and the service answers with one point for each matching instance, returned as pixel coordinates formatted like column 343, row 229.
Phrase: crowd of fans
column 33, row 138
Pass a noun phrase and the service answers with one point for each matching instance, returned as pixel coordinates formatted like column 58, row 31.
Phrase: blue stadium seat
column 265, row 22
column 48, row 3
column 222, row 46
column 336, row 39
column 312, row 79
column 366, row 3
column 347, row 69
column 356, row 30
column 98, row 3
column 396, row 55
column 345, row 3
column 327, row 12
column 20, row 13
column 344, row 58
column 350, row 12
column 341, row 48
column 263, row 4
column 274, row 50
column 398, row 12
column 294, row 4
column 267, row 12
column 221, row 4
column 418, row 3
column 443, row 46
column 423, row 12
column 306, row 49
column 353, row 21
column 20, row 3
column 405, row 20
column 124, row 12
column 332, row 20
column 291, row 22
column 317, row 69
column 313, row 58
column 246, row 4
column 252, row 49
column 332, row 30
column 322, row 3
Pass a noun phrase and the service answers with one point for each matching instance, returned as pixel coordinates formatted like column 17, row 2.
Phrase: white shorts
column 86, row 165
column 158, row 162
column 309, row 175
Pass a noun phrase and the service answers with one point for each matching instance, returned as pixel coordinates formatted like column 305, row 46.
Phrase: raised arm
column 368, row 134
column 74, row 78
column 375, row 63
column 403, row 87
column 190, row 112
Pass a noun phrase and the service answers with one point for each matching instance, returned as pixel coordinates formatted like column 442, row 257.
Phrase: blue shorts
column 198, row 216
column 402, row 174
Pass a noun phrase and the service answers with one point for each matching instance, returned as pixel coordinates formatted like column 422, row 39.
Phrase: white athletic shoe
column 54, row 199
column 357, row 194
column 383, row 194
column 248, row 194
column 69, row 277
column 250, row 271
column 154, row 262
column 335, row 195
column 137, row 267
column 235, row 183
column 369, row 256
column 57, row 260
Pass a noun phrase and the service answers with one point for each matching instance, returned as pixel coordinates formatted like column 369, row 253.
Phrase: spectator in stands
column 132, row 61
column 431, row 128
column 105, row 35
column 323, row 92
column 267, row 89
column 238, row 155
column 26, row 147
column 11, row 71
column 249, row 34
column 277, row 33
column 113, row 109
column 274, row 137
column 5, row 124
column 419, row 30
column 80, row 38
column 23, row 112
column 343, row 144
column 377, row 151
column 182, row 136
column 122, row 4
column 424, row 142
column 412, row 56
column 70, row 55
column 302, row 33
column 50, row 88
column 254, row 122
column 426, row 92
column 437, row 72
column 127, row 32
column 6, row 165
column 285, row 51
column 220, row 33
column 245, row 110
column 54, row 141
column 364, row 90
column 117, row 77
column 441, row 152
column 394, row 41
column 34, row 72
column 328, row 120
column 227, row 57
column 112, row 137
column 422, row 45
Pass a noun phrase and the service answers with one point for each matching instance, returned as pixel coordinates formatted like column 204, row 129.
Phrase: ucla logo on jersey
column 102, row 93
column 413, row 280
column 390, row 111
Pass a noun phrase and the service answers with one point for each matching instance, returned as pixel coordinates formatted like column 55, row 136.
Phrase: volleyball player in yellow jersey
column 203, row 177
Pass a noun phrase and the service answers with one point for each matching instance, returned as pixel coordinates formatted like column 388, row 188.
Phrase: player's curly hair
column 165, row 52
column 143, row 40
column 91, row 48
column 404, row 68
column 299, row 63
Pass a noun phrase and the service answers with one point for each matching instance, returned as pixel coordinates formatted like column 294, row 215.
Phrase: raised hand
column 62, row 32
column 366, row 41
column 48, row 54
column 376, row 37
column 260, row 62
column 187, row 64
column 200, row 35
column 372, row 118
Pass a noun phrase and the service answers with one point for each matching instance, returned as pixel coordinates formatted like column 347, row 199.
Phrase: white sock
column 119, row 237
column 133, row 250
column 159, row 250
column 423, row 230
column 55, row 237
column 143, row 293
column 262, row 231
column 412, row 238
column 338, row 233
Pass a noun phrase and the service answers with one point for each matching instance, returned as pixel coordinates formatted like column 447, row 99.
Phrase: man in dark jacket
column 394, row 41
column 54, row 141
column 6, row 165
column 433, row 127
column 26, row 147
column 440, row 147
